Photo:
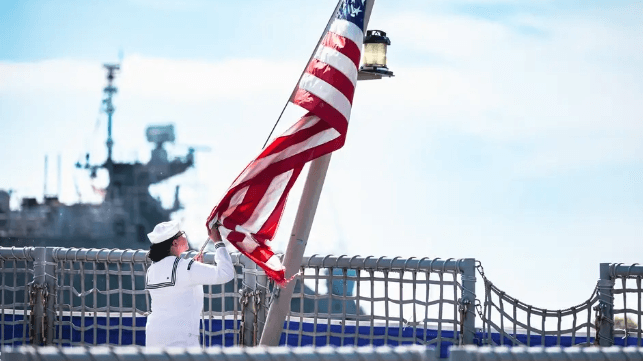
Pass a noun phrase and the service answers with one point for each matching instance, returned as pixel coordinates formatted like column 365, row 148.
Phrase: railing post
column 44, row 290
column 467, row 304
column 260, row 301
column 605, row 311
column 249, row 288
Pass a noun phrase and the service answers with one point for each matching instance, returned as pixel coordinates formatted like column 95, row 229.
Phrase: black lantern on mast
column 374, row 55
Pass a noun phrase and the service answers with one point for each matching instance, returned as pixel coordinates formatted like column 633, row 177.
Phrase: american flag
column 250, row 211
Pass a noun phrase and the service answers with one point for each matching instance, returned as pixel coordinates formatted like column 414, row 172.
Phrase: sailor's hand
column 199, row 257
column 214, row 234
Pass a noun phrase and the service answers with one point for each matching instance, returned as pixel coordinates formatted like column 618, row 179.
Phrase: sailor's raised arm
column 222, row 272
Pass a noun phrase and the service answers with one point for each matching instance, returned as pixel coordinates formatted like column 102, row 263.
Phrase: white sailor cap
column 164, row 231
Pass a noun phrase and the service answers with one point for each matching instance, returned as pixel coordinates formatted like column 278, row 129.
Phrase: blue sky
column 511, row 133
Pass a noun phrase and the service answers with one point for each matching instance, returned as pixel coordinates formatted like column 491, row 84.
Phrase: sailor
column 176, row 286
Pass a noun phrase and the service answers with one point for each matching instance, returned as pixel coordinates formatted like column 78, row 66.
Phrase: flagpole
column 312, row 55
column 280, row 305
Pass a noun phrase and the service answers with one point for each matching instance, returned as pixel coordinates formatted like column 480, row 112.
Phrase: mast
column 110, row 90
column 280, row 305
column 44, row 191
column 58, row 181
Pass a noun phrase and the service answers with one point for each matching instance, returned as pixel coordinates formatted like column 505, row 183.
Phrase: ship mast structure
column 110, row 90
column 129, row 182
column 127, row 212
column 158, row 169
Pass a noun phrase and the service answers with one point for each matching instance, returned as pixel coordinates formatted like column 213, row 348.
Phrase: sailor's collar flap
column 162, row 274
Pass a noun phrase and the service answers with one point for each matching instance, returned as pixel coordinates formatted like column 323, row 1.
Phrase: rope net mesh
column 101, row 299
column 508, row 321
column 100, row 303
column 628, row 296
column 220, row 320
column 98, row 296
column 362, row 306
column 16, row 273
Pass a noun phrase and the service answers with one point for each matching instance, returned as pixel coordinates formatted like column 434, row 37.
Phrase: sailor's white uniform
column 176, row 289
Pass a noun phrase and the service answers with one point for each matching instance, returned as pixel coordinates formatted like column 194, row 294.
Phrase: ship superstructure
column 128, row 211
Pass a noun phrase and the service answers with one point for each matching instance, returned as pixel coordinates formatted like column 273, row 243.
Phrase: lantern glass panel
column 375, row 54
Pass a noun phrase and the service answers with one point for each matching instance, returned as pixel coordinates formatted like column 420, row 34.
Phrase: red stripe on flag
column 343, row 45
column 332, row 76
column 320, row 108
column 252, row 197
column 270, row 226
column 282, row 143
column 260, row 256
column 234, row 236
column 285, row 165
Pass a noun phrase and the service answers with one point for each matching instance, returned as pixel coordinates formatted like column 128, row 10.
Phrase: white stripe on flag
column 234, row 202
column 348, row 30
column 224, row 232
column 260, row 164
column 274, row 263
column 267, row 203
column 303, row 123
column 338, row 61
column 248, row 244
column 327, row 92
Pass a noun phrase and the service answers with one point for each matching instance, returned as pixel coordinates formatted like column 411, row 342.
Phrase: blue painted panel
column 14, row 331
column 347, row 338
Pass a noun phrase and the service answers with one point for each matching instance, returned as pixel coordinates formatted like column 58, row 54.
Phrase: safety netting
column 507, row 321
column 16, row 291
column 628, row 298
column 97, row 296
column 360, row 301
column 101, row 299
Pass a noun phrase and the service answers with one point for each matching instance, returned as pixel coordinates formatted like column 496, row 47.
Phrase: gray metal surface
column 113, row 255
column 16, row 253
column 100, row 353
column 472, row 353
column 605, row 308
column 466, row 304
column 386, row 263
column 43, row 288
column 410, row 353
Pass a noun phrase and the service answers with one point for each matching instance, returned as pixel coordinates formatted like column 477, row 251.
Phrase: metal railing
column 97, row 296
column 508, row 321
column 67, row 296
column 619, row 282
column 382, row 301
